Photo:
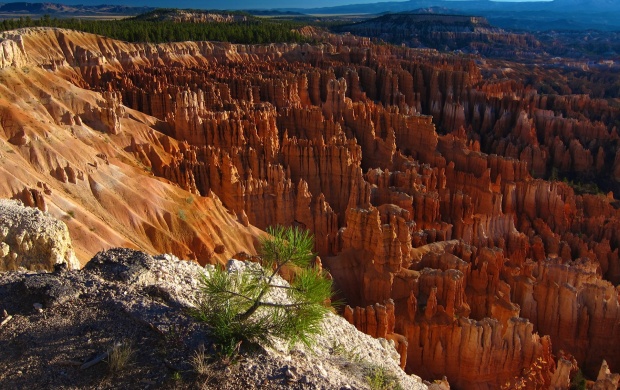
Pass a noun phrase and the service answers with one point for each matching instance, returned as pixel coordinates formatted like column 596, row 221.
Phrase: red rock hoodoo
column 421, row 180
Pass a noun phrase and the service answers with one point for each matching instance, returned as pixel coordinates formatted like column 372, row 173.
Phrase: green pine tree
column 240, row 306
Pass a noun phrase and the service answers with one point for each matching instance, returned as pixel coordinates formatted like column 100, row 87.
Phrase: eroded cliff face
column 67, row 150
column 475, row 268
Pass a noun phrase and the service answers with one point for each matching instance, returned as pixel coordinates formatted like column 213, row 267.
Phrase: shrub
column 200, row 363
column 119, row 356
column 343, row 352
column 554, row 174
column 578, row 382
column 378, row 378
column 255, row 305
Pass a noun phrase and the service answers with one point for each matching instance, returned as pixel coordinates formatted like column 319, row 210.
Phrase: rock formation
column 32, row 240
column 421, row 175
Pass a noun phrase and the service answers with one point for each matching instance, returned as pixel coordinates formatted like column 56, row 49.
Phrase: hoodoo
column 420, row 176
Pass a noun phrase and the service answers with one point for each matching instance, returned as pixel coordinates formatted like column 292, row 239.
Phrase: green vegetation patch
column 252, row 31
column 254, row 306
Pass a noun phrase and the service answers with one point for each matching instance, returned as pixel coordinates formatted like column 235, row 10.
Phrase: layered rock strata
column 421, row 179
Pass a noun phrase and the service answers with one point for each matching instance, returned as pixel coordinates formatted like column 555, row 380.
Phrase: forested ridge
column 136, row 30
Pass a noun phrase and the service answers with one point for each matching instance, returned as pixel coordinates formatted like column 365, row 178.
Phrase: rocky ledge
column 58, row 329
column 32, row 239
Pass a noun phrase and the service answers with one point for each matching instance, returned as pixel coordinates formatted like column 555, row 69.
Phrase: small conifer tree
column 255, row 305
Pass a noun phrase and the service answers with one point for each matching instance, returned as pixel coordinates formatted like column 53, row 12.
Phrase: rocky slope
column 475, row 268
column 61, row 322
column 63, row 151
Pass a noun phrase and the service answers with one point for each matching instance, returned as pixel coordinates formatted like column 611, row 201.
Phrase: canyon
column 431, row 182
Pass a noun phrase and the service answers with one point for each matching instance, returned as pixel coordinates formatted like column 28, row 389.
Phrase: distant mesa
column 274, row 12
column 429, row 16
column 443, row 31
column 435, row 10
column 529, row 15
column 58, row 9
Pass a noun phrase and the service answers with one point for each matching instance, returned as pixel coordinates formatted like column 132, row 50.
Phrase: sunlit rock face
column 418, row 176
column 32, row 240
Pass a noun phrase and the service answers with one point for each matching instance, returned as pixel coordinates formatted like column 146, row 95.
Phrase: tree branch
column 283, row 287
column 244, row 316
column 238, row 295
column 285, row 250
column 289, row 305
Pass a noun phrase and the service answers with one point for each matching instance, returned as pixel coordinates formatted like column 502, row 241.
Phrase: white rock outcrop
column 341, row 354
column 32, row 239
column 339, row 358
column 12, row 51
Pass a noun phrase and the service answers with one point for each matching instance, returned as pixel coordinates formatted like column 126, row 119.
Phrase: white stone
column 36, row 239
